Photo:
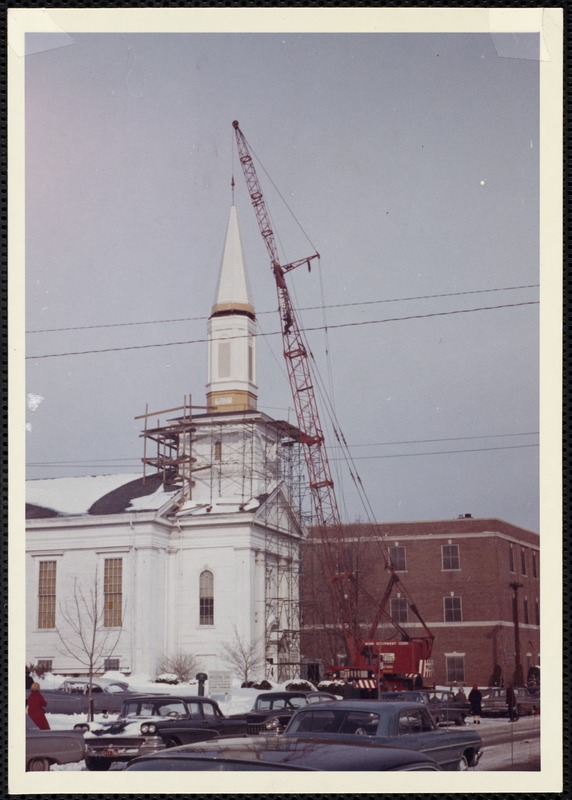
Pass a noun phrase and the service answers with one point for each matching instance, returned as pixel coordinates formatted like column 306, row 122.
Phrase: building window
column 525, row 610
column 537, row 611
column 397, row 558
column 217, row 451
column 111, row 665
column 450, row 556
column 206, row 598
column 511, row 559
column 523, row 561
column 455, row 667
column 452, row 608
column 534, row 565
column 112, row 592
column 47, row 595
column 224, row 359
column 44, row 665
column 398, row 608
column 251, row 360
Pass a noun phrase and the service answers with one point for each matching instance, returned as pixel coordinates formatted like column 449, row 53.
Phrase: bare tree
column 87, row 639
column 242, row 657
column 182, row 665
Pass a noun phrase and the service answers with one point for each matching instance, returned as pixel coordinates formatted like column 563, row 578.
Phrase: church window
column 47, row 595
column 112, row 592
column 206, row 598
column 224, row 359
column 217, row 451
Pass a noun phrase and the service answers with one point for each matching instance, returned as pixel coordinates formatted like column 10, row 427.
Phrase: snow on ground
column 236, row 701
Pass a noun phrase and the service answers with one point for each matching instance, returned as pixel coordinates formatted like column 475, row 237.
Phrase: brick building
column 462, row 575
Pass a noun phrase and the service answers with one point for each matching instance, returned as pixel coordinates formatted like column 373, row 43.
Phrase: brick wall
column 485, row 636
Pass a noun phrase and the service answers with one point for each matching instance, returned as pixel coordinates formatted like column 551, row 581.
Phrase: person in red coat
column 36, row 704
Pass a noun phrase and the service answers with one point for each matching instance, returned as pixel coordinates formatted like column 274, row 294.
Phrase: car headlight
column 81, row 726
column 148, row 727
column 272, row 724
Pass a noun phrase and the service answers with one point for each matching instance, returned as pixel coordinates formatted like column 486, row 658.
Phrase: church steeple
column 231, row 332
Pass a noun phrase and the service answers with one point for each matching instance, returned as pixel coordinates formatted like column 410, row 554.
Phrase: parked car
column 441, row 703
column 272, row 710
column 494, row 702
column 399, row 724
column 72, row 696
column 148, row 723
column 44, row 748
column 283, row 753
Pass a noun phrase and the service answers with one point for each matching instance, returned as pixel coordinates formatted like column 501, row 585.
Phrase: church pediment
column 276, row 511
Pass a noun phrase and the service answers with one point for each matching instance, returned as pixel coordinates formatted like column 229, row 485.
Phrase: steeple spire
column 233, row 289
column 231, row 331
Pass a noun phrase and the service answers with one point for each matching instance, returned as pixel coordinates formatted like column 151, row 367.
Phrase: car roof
column 305, row 751
column 186, row 698
column 95, row 681
column 361, row 705
column 288, row 693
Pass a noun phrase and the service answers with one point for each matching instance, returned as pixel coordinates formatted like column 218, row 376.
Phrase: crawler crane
column 397, row 661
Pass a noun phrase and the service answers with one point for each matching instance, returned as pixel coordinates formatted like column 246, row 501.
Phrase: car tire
column 97, row 764
column 38, row 765
column 459, row 720
column 171, row 741
column 463, row 764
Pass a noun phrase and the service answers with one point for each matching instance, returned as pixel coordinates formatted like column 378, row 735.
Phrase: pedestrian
column 36, row 704
column 461, row 697
column 511, row 703
column 475, row 699
column 29, row 679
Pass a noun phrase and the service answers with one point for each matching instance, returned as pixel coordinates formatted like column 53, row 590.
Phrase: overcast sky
column 411, row 162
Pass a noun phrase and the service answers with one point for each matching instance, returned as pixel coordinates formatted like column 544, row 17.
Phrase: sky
column 409, row 161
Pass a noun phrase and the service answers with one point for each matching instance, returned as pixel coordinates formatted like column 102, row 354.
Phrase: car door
column 66, row 700
column 109, row 699
column 212, row 719
column 416, row 730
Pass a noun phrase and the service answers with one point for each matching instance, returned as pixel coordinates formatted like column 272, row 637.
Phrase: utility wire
column 304, row 308
column 277, row 333
column 95, row 461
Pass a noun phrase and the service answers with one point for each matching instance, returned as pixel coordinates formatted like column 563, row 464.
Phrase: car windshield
column 360, row 723
column 173, row 708
column 271, row 703
column 114, row 687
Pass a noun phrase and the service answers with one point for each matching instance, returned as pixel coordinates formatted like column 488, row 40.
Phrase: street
column 510, row 745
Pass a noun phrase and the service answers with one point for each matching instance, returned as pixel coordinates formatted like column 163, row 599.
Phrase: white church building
column 200, row 550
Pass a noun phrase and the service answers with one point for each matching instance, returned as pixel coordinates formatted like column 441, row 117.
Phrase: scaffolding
column 234, row 458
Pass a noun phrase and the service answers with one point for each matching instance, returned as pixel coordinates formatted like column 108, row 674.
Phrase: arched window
column 206, row 598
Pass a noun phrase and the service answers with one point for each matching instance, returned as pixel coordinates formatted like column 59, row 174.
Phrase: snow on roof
column 77, row 495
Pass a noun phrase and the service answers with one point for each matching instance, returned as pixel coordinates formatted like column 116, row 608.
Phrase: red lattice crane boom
column 342, row 581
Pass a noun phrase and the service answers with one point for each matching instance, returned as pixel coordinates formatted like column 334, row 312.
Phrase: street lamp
column 518, row 678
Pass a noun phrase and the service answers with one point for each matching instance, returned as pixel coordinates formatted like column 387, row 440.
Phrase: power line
column 93, row 461
column 305, row 308
column 105, row 462
column 98, row 464
column 276, row 333
column 445, row 452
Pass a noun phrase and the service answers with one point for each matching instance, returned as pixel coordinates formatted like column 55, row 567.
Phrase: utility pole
column 518, row 678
